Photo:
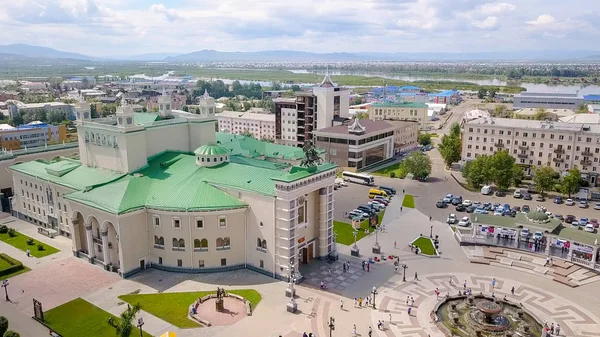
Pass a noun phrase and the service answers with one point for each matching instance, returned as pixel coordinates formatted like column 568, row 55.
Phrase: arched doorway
column 113, row 244
column 79, row 236
column 96, row 251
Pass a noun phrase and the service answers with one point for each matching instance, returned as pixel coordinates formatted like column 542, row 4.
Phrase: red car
column 594, row 222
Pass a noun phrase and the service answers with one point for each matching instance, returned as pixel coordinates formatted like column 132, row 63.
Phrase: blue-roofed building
column 591, row 99
column 394, row 90
column 445, row 97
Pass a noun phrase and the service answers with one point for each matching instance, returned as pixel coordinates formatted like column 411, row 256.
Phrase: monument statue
column 219, row 303
column 311, row 157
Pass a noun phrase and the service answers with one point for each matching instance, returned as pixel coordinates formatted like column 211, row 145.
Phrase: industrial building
column 547, row 100
column 31, row 135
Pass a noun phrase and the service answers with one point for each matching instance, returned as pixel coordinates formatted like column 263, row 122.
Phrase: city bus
column 358, row 178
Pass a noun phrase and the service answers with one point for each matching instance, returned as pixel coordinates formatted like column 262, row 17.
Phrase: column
column 105, row 250
column 323, row 223
column 90, row 241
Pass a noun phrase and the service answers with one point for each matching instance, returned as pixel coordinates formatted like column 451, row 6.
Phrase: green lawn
column 345, row 233
column 19, row 241
column 398, row 169
column 81, row 318
column 425, row 246
column 409, row 201
column 173, row 307
column 4, row 265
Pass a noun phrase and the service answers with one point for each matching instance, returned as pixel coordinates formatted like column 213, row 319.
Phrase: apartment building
column 560, row 145
column 260, row 126
column 320, row 107
column 16, row 107
column 406, row 135
column 362, row 143
column 30, row 135
column 401, row 111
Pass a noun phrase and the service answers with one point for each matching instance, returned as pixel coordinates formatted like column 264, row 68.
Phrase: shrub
column 11, row 333
column 392, row 174
column 3, row 325
column 30, row 241
column 40, row 247
column 12, row 233
column 3, row 229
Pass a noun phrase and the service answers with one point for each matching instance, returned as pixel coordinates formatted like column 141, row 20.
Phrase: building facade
column 547, row 100
column 359, row 144
column 157, row 190
column 559, row 145
column 260, row 126
column 401, row 111
column 31, row 135
column 406, row 135
column 16, row 107
column 320, row 107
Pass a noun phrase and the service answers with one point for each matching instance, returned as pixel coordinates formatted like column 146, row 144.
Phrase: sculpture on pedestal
column 219, row 303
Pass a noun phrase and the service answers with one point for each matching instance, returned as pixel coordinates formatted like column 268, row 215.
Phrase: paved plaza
column 58, row 279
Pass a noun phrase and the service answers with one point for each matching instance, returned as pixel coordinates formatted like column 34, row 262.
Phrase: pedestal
column 292, row 307
column 289, row 292
column 376, row 249
column 355, row 252
column 219, row 306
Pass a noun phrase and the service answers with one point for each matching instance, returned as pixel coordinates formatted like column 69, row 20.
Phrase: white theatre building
column 158, row 190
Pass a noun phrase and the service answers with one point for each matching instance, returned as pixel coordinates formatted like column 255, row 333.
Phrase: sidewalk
column 20, row 322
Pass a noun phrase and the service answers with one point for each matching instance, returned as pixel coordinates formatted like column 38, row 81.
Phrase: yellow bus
column 375, row 192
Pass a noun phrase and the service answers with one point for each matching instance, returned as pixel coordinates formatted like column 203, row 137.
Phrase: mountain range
column 52, row 55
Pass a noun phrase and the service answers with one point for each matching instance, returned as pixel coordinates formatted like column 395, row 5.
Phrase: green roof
column 173, row 181
column 211, row 150
column 145, row 117
column 67, row 172
column 399, row 105
column 252, row 147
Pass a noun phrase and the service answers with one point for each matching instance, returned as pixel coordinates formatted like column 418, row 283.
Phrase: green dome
column 211, row 150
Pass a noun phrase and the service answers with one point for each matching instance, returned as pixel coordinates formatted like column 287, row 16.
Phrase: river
column 531, row 87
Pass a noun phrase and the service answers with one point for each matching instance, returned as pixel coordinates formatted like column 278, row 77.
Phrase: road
column 21, row 323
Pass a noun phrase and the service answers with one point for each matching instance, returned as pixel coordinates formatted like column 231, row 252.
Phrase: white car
column 499, row 211
column 467, row 203
column 377, row 206
column 538, row 235
column 569, row 202
column 597, row 206
column 452, row 219
column 525, row 233
column 589, row 228
column 549, row 214
column 465, row 222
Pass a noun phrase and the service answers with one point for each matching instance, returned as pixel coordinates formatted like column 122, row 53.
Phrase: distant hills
column 45, row 54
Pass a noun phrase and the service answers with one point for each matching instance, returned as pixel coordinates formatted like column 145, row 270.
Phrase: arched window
column 87, row 136
column 162, row 241
column 204, row 243
column 226, row 242
column 197, row 243
column 129, row 120
column 219, row 243
column 103, row 140
column 93, row 139
column 258, row 243
column 264, row 244
column 181, row 243
column 175, row 243
column 156, row 240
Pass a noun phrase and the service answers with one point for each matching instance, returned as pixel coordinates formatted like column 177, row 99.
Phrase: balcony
column 559, row 151
column 587, row 154
column 500, row 145
column 522, row 155
column 523, row 147
column 558, row 160
column 586, row 163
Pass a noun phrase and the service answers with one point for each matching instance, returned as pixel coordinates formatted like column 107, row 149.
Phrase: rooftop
column 399, row 104
column 248, row 115
column 252, row 148
column 590, row 118
column 370, row 127
column 546, row 94
column 591, row 97
column 445, row 93
column 534, row 124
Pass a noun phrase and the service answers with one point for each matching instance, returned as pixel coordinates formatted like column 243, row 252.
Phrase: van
column 375, row 192
column 486, row 190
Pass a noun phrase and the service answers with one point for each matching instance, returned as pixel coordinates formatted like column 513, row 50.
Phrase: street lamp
column 5, row 286
column 431, row 231
column 374, row 292
column 139, row 325
column 331, row 325
column 404, row 267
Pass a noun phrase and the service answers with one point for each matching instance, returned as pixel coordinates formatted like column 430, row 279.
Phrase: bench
column 497, row 250
column 565, row 281
column 565, row 272
column 479, row 260
column 489, row 256
column 523, row 265
column 561, row 263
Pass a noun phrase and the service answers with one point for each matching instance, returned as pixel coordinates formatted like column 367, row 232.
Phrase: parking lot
column 347, row 198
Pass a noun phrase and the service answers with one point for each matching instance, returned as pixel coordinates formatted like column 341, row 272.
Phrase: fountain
column 482, row 316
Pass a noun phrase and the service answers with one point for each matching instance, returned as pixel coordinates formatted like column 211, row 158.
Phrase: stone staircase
column 560, row 271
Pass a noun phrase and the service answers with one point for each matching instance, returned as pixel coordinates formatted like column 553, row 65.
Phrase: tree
column 544, row 179
column 540, row 114
column 424, row 139
column 501, row 168
column 481, row 93
column 17, row 120
column 419, row 164
column 311, row 156
column 362, row 115
column 275, row 85
column 11, row 333
column 3, row 325
column 93, row 111
column 450, row 149
column 518, row 175
column 571, row 182
column 583, row 109
column 492, row 93
column 455, row 130
column 55, row 116
column 357, row 100
column 124, row 328
column 295, row 87
column 247, row 106
column 477, row 172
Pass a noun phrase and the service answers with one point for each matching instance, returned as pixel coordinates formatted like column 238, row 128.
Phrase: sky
column 107, row 28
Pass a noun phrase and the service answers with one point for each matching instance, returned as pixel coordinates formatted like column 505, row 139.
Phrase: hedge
column 15, row 265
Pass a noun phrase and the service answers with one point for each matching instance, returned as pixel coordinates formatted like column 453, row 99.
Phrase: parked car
column 583, row 221
column 357, row 213
column 470, row 209
column 549, row 214
column 487, row 190
column 441, row 204
column 460, row 208
column 366, row 209
column 595, row 223
column 516, row 209
column 569, row 218
column 527, row 196
column 583, row 204
column 559, row 217
column 457, row 200
column 381, row 199
column 376, row 206
column 500, row 193
column 540, row 198
column 589, row 228
column 448, row 198
column 388, row 190
column 496, row 205
column 597, row 206
column 481, row 210
column 467, row 203
column 487, row 206
column 476, row 204
column 525, row 233
column 465, row 222
column 558, row 200
column 525, row 208
column 452, row 219
column 569, row 202
column 538, row 235
column 517, row 194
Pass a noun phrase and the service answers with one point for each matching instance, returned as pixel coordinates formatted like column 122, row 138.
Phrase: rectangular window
column 177, row 223
column 179, row 263
column 199, row 223
column 159, row 260
column 200, row 263
column 156, row 220
column 223, row 262
column 222, row 221
column 262, row 263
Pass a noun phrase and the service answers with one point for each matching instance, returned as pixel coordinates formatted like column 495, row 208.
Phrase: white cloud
column 542, row 20
column 495, row 8
column 489, row 23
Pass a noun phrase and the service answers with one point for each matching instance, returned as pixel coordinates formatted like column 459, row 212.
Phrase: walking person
column 430, row 218
column 355, row 302
column 450, row 281
column 370, row 332
column 28, row 252
column 394, row 244
column 512, row 290
column 341, row 304
column 493, row 283
column 354, row 331
column 401, row 209
column 557, row 329
column 409, row 310
column 329, row 271
column 363, row 265
column 368, row 266
column 552, row 329
column 407, row 299
column 416, row 276
column 465, row 284
column 412, row 301
column 344, row 267
column 360, row 302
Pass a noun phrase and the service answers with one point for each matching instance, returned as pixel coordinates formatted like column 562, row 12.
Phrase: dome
column 211, row 150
